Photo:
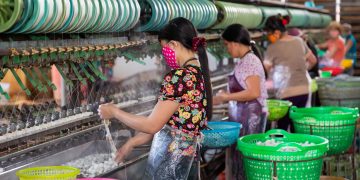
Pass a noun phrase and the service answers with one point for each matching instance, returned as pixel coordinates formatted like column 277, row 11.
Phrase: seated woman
column 335, row 45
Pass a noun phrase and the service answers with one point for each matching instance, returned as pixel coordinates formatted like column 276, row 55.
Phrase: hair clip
column 197, row 42
column 284, row 22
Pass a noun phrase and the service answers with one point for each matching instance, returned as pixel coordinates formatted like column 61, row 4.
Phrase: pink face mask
column 170, row 57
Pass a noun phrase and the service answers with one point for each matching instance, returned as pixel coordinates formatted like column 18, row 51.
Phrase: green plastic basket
column 270, row 162
column 337, row 124
column 277, row 109
column 48, row 173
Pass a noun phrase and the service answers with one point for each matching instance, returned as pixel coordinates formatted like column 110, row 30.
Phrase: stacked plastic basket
column 287, row 156
column 339, row 91
column 337, row 124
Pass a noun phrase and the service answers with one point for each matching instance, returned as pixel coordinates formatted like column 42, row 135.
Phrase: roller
column 298, row 18
column 25, row 16
column 326, row 20
column 99, row 16
column 230, row 13
column 315, row 20
column 10, row 12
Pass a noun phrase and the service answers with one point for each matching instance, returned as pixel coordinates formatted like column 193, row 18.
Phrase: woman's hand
column 137, row 140
column 123, row 152
column 217, row 100
column 106, row 111
column 151, row 124
column 220, row 98
column 252, row 92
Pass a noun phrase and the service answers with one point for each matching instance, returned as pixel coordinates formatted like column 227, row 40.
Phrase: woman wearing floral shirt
column 181, row 111
column 186, row 86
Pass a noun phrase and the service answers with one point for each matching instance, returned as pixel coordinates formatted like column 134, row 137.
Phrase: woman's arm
column 330, row 52
column 268, row 66
column 268, row 60
column 322, row 45
column 252, row 92
column 348, row 45
column 161, row 114
column 137, row 140
column 140, row 139
column 310, row 59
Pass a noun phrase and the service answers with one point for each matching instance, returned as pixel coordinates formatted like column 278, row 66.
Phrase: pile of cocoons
column 274, row 143
column 94, row 165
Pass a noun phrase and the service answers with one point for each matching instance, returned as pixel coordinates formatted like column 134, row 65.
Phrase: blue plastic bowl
column 223, row 134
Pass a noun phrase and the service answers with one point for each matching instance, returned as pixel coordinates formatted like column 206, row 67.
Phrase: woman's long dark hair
column 183, row 31
column 239, row 34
